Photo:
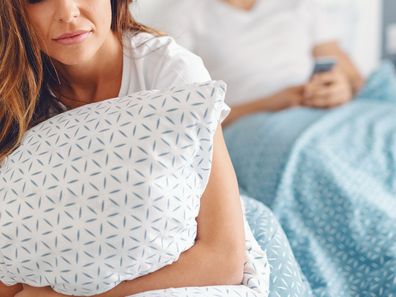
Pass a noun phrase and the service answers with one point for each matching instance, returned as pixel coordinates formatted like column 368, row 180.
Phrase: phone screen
column 323, row 65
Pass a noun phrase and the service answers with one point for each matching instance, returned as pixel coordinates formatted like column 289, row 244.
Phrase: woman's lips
column 73, row 38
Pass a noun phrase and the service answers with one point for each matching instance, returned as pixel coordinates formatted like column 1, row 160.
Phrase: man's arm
column 335, row 87
column 344, row 62
column 287, row 98
column 295, row 96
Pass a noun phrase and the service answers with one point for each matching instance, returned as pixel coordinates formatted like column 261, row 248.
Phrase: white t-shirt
column 152, row 62
column 256, row 52
column 157, row 63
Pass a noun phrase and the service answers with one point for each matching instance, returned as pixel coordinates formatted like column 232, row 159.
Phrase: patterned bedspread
column 330, row 178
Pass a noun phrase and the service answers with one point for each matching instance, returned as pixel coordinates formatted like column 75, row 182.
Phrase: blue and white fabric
column 286, row 278
column 329, row 177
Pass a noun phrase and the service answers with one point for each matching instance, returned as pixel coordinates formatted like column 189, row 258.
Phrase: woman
column 265, row 51
column 57, row 54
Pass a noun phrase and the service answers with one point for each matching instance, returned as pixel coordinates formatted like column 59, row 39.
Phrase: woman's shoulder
column 144, row 45
column 164, row 61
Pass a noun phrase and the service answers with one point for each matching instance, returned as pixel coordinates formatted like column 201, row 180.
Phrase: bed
column 329, row 177
column 338, row 223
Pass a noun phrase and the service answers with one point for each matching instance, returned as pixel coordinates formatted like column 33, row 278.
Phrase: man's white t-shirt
column 256, row 52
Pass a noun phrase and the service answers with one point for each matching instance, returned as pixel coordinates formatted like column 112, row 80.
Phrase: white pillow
column 108, row 191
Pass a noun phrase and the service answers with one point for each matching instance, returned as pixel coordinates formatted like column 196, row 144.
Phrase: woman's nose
column 67, row 11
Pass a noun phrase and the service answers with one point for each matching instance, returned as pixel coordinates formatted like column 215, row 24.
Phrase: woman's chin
column 76, row 59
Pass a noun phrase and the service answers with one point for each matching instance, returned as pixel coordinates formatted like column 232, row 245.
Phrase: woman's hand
column 29, row 291
column 9, row 291
column 327, row 90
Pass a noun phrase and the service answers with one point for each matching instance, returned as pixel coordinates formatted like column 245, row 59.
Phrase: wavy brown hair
column 27, row 75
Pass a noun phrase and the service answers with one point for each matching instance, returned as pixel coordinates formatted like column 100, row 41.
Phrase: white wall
column 358, row 21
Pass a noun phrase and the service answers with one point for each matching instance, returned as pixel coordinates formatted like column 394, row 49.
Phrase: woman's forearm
column 202, row 265
column 9, row 291
column 218, row 255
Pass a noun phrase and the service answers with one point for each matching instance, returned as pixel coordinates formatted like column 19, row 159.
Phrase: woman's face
column 70, row 31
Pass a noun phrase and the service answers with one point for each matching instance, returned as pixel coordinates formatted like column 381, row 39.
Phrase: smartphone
column 323, row 65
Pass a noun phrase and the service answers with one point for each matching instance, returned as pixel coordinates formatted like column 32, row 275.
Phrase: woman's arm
column 9, row 291
column 218, row 256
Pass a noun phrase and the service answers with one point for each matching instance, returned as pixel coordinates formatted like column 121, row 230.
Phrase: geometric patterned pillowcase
column 108, row 191
column 111, row 190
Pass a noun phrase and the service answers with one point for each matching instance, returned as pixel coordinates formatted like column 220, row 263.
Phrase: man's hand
column 290, row 97
column 327, row 90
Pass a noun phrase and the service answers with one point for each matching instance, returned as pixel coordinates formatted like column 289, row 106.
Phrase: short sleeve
column 318, row 22
column 223, row 110
column 178, row 66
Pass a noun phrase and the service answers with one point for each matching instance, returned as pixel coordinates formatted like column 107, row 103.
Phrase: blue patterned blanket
column 330, row 178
